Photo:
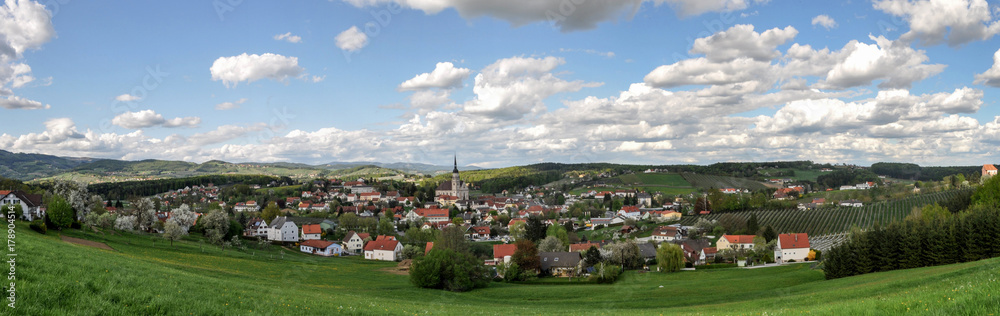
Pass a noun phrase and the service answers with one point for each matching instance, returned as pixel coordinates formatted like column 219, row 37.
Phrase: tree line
column 931, row 236
column 130, row 189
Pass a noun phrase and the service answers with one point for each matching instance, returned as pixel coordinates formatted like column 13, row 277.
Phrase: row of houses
column 789, row 247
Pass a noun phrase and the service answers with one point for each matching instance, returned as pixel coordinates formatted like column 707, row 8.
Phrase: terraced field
column 836, row 220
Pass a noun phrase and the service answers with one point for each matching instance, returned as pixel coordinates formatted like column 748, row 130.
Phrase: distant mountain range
column 28, row 167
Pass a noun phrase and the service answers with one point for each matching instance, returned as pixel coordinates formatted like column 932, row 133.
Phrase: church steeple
column 456, row 165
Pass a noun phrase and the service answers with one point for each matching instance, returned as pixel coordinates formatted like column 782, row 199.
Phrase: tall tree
column 593, row 256
column 769, row 234
column 270, row 212
column 753, row 227
column 60, row 212
column 669, row 257
column 216, row 226
column 526, row 256
column 452, row 237
column 173, row 231
column 535, row 229
column 551, row 244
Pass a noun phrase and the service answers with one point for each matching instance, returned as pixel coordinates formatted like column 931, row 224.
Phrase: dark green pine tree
column 753, row 227
column 769, row 234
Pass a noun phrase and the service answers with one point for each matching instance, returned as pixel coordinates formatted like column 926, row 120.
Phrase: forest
column 128, row 189
column 916, row 172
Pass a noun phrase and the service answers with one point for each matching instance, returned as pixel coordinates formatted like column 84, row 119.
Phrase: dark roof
column 307, row 220
column 277, row 222
column 647, row 250
column 559, row 259
column 32, row 200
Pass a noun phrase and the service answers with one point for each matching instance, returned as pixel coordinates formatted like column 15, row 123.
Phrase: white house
column 851, row 203
column 792, row 247
column 354, row 242
column 385, row 248
column 665, row 233
column 312, row 232
column 256, row 227
column 249, row 206
column 283, row 230
column 31, row 204
column 321, row 247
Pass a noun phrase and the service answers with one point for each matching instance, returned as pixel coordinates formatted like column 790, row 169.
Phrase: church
column 454, row 188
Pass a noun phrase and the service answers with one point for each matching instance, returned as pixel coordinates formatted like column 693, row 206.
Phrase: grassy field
column 720, row 182
column 665, row 183
column 58, row 278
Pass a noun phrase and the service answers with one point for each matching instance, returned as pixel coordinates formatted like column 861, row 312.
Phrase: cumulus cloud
column 230, row 105
column 127, row 98
column 741, row 41
column 992, row 76
column 249, row 68
column 934, row 22
column 288, row 37
column 825, row 21
column 702, row 71
column 578, row 15
column 444, row 76
column 14, row 102
column 24, row 25
column 513, row 87
column 149, row 118
column 895, row 63
column 696, row 7
column 352, row 39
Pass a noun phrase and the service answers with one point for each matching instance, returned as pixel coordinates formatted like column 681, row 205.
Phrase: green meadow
column 139, row 278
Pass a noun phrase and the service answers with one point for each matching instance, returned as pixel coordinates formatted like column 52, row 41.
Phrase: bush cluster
column 449, row 270
column 38, row 226
column 605, row 273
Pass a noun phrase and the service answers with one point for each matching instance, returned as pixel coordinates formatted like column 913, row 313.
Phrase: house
column 694, row 250
column 792, row 247
column 665, row 233
column 647, row 251
column 560, row 264
column 432, row 215
column 479, row 232
column 851, row 203
column 311, row 232
column 248, row 206
column 710, row 253
column 644, row 199
column 31, row 204
column 354, row 242
column 735, row 242
column 385, row 248
column 321, row 247
column 626, row 229
column 283, row 230
column 256, row 227
column 581, row 247
column 989, row 170
column 503, row 253
column 630, row 212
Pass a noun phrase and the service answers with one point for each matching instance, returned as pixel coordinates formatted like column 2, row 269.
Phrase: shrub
column 605, row 273
column 38, row 226
column 449, row 270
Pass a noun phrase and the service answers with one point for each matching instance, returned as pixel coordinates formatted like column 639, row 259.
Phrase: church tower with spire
column 454, row 190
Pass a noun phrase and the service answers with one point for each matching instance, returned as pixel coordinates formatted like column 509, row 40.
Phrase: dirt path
column 86, row 242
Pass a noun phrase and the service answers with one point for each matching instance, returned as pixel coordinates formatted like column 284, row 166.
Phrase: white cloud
column 696, row 7
column 444, row 76
column 701, row 71
column 574, row 16
column 825, row 21
column 149, row 118
column 992, row 76
column 315, row 79
column 250, row 68
column 288, row 37
column 352, row 39
column 230, row 105
column 934, row 22
column 14, row 102
column 24, row 25
column 741, row 41
column 127, row 98
column 895, row 63
column 513, row 87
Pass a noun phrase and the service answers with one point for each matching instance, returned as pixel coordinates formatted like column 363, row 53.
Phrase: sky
column 503, row 83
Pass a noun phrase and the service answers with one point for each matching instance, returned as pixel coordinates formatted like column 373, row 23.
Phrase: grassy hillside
column 120, row 171
column 720, row 182
column 55, row 277
column 22, row 166
column 835, row 220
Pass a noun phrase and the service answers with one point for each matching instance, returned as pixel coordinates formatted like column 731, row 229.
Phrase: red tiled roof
column 312, row 229
column 794, row 241
column 362, row 235
column 428, row 247
column 989, row 167
column 739, row 239
column 432, row 212
column 665, row 231
column 384, row 244
column 583, row 246
column 316, row 243
column 500, row 251
column 384, row 237
column 711, row 250
column 4, row 192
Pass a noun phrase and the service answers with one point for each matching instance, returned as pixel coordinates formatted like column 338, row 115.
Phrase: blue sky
column 503, row 83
